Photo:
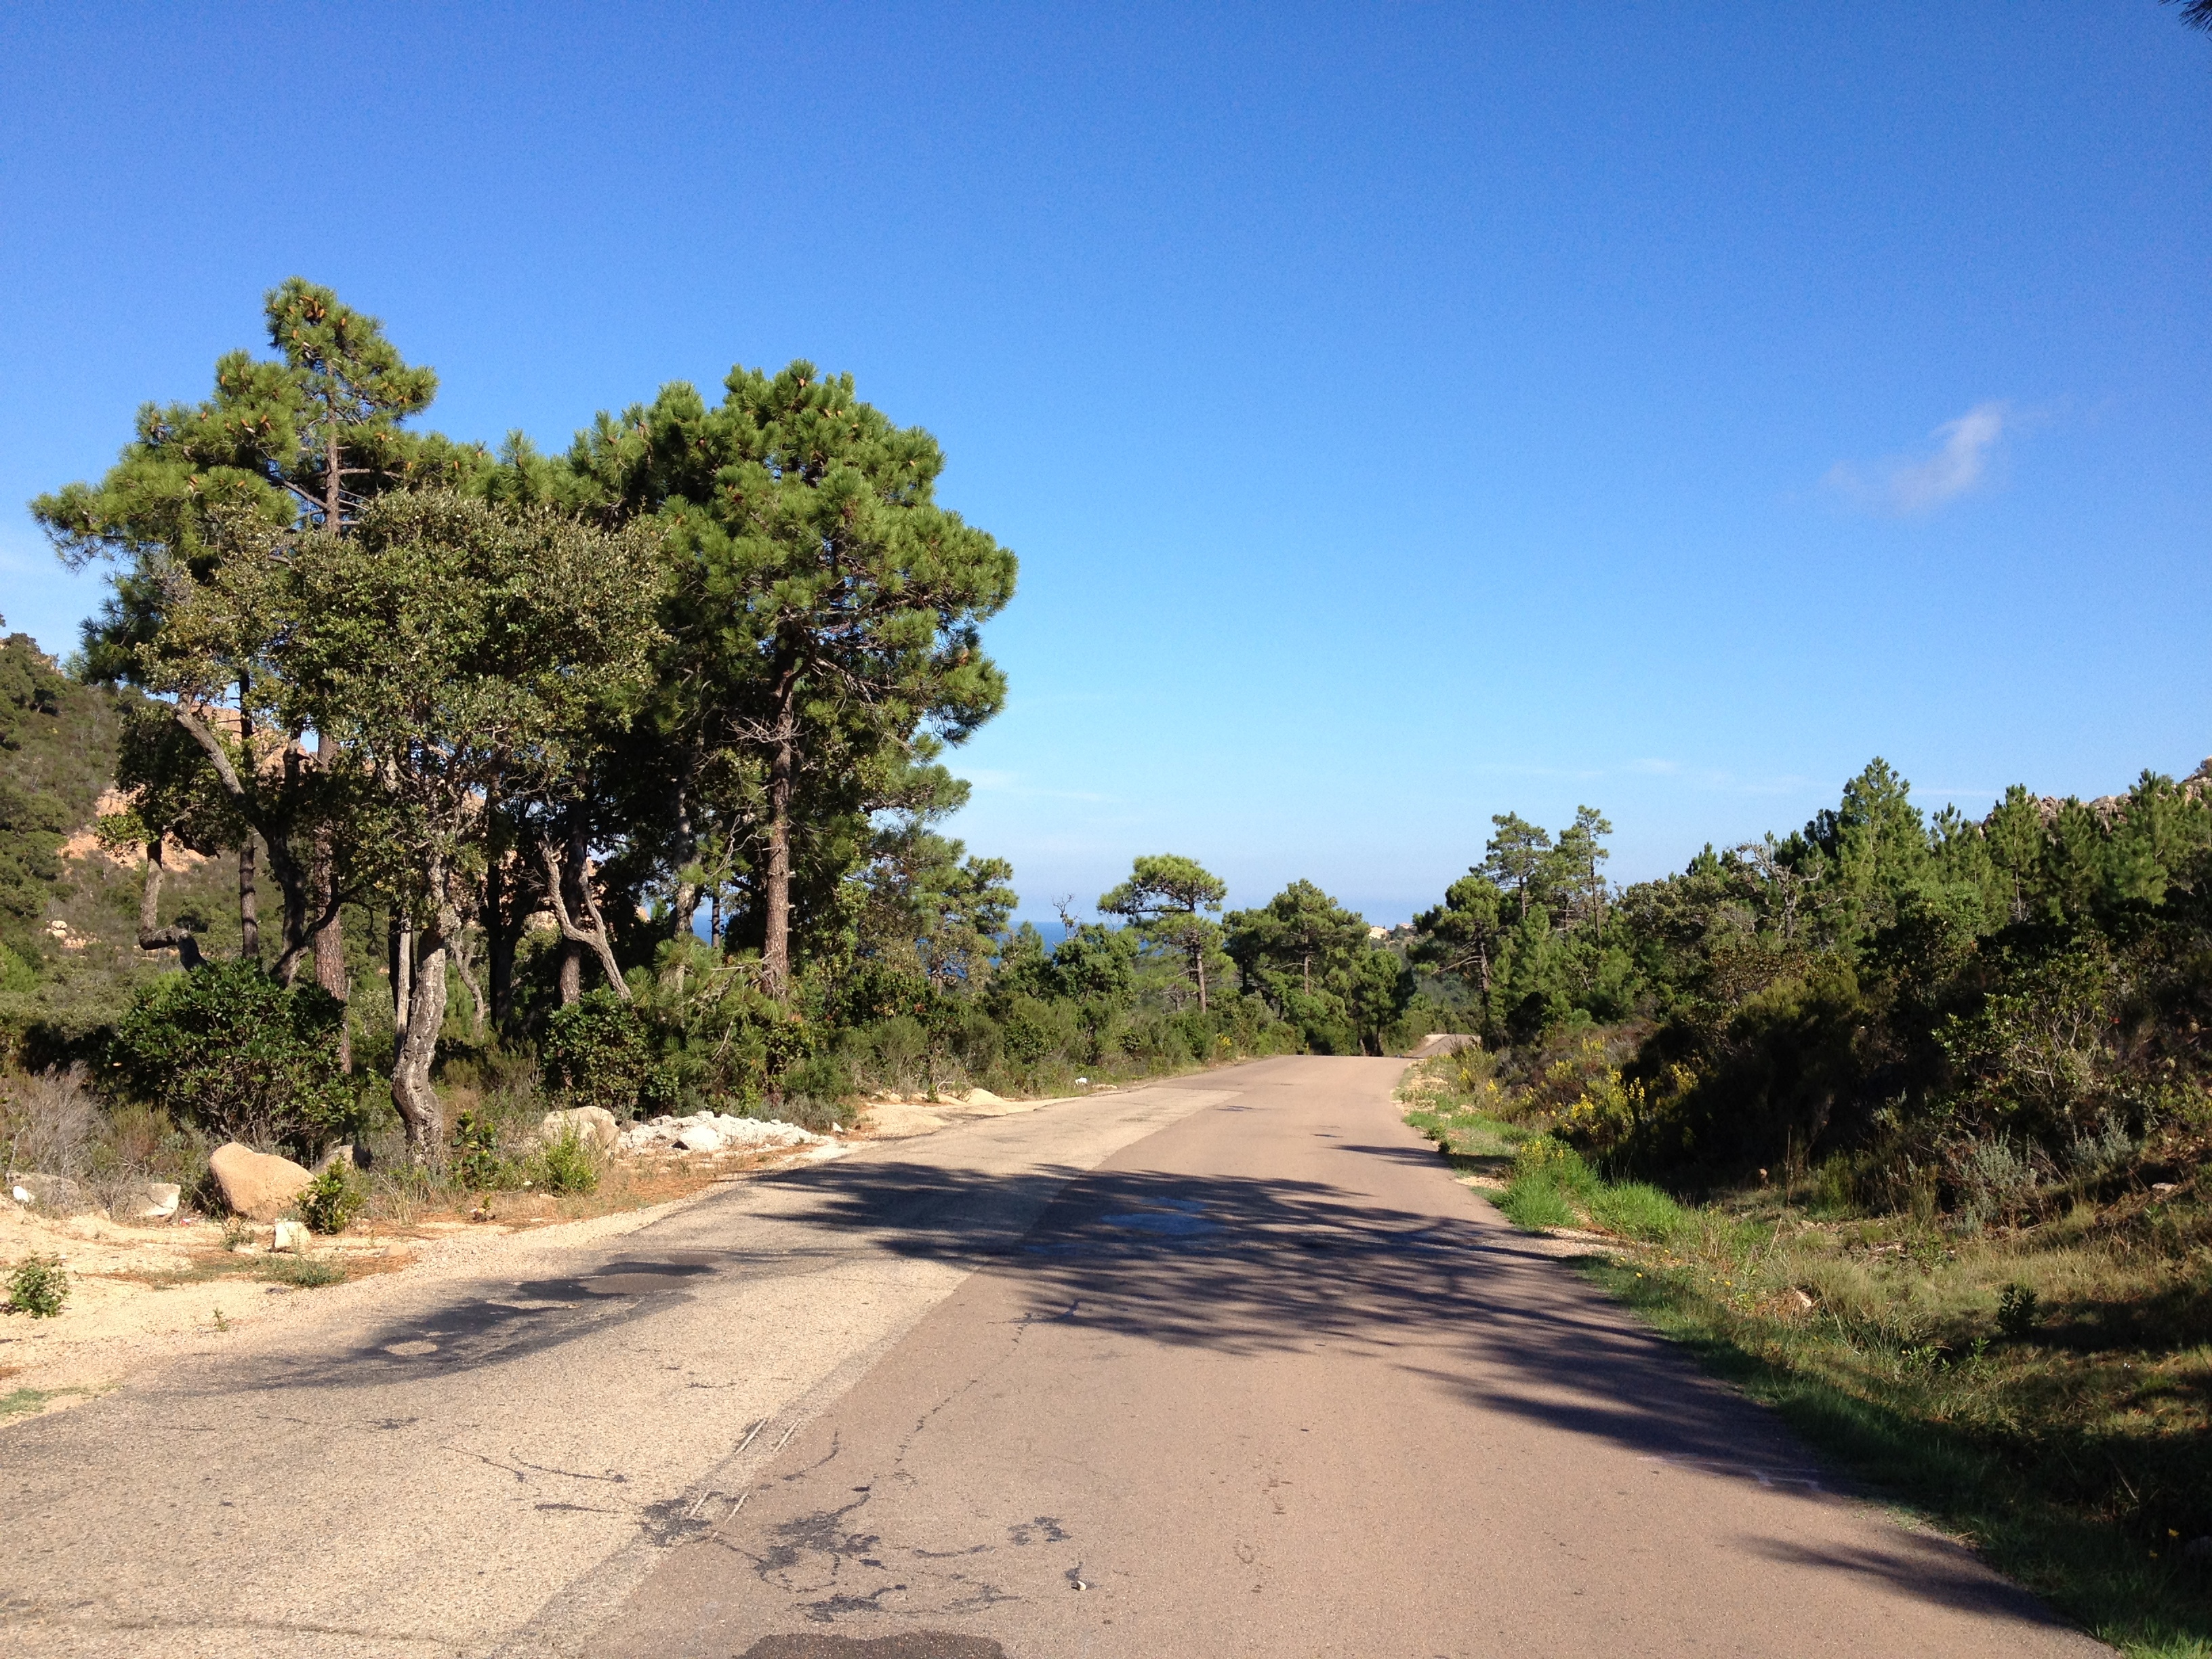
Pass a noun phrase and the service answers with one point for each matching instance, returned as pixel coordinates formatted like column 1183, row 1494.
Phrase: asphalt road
column 1224, row 1367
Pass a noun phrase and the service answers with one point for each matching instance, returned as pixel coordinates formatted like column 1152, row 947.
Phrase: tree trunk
column 458, row 954
column 249, row 904
column 329, row 937
column 419, row 1107
column 152, row 936
column 775, row 946
column 403, row 981
column 291, row 879
column 499, row 940
column 1198, row 961
column 568, row 885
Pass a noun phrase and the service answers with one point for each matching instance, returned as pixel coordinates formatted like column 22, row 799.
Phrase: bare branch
column 597, row 938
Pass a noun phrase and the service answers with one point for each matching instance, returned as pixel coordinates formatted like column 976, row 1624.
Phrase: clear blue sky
column 1403, row 414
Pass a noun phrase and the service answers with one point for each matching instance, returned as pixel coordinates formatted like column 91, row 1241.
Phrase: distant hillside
column 68, row 912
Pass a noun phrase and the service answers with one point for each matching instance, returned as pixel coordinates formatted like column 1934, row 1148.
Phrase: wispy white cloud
column 1907, row 485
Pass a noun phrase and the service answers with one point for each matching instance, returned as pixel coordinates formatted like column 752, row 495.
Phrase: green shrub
column 2017, row 1308
column 568, row 1166
column 821, row 1080
column 239, row 1054
column 37, row 1287
column 331, row 1201
column 479, row 1164
column 1543, row 1159
column 599, row 1051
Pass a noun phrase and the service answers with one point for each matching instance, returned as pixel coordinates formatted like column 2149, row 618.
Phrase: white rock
column 699, row 1138
column 147, row 1201
column 291, row 1236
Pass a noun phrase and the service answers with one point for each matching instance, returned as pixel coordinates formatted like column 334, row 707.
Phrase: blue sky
column 1403, row 414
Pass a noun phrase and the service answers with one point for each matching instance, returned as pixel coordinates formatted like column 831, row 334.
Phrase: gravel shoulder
column 145, row 1296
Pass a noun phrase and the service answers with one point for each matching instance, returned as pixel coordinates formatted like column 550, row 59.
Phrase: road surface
column 1223, row 1366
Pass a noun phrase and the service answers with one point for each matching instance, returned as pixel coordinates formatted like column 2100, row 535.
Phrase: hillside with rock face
column 68, row 908
column 2109, row 808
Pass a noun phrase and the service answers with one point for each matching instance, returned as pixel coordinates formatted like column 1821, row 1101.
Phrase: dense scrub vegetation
column 1940, row 1014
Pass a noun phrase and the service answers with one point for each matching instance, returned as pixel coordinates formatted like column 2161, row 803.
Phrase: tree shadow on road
column 1252, row 1267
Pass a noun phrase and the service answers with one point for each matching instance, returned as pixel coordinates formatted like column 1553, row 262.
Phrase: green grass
column 1635, row 1210
column 2044, row 1392
column 1534, row 1203
column 2018, row 1503
column 21, row 1401
column 305, row 1271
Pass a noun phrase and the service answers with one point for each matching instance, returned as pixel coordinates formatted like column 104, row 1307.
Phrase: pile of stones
column 714, row 1132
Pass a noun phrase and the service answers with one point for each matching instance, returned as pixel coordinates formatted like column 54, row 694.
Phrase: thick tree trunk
column 152, row 936
column 775, row 945
column 249, row 905
column 418, row 1105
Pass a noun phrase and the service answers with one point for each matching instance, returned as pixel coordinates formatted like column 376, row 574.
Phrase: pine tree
column 822, row 618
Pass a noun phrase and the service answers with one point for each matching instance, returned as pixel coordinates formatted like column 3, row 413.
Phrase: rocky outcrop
column 260, row 1186
column 2107, row 808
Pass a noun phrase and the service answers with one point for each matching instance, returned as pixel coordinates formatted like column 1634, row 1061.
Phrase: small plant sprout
column 2017, row 1308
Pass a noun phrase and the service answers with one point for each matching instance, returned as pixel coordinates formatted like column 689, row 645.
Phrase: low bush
column 478, row 1162
column 241, row 1054
column 599, row 1052
column 49, row 1122
column 332, row 1200
column 37, row 1287
column 568, row 1166
column 305, row 1271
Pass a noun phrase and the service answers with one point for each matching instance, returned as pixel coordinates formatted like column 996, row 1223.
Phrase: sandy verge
column 141, row 1295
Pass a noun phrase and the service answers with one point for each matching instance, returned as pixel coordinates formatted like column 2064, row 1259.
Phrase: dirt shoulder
column 141, row 1295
